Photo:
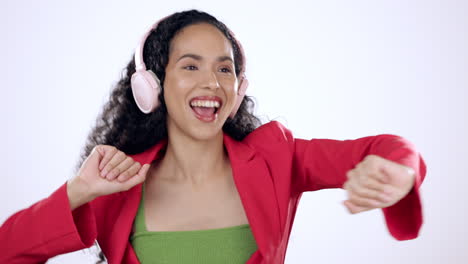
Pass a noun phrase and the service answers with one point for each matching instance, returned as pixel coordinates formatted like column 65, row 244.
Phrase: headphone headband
column 139, row 63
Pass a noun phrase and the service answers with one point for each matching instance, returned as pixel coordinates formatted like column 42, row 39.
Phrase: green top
column 229, row 245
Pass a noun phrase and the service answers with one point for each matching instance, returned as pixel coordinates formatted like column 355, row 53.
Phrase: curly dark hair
column 121, row 123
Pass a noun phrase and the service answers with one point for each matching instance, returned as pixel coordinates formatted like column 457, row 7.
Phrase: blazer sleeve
column 323, row 163
column 46, row 229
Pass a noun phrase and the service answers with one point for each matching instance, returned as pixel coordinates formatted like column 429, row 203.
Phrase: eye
column 191, row 67
column 225, row 69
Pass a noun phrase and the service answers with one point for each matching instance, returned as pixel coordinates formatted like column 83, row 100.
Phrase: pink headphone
column 146, row 86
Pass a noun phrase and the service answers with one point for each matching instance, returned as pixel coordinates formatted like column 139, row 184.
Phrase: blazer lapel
column 256, row 190
column 129, row 206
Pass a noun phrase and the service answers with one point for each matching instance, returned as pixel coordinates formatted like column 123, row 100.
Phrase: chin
column 206, row 131
column 195, row 129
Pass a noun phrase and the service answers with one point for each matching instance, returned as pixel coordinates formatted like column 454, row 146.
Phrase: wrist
column 78, row 193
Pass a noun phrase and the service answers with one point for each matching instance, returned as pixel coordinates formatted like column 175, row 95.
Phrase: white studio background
column 325, row 69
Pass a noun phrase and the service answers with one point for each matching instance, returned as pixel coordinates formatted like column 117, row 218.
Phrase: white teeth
column 202, row 103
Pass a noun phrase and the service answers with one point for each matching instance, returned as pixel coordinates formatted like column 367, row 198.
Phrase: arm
column 46, row 229
column 65, row 222
column 323, row 163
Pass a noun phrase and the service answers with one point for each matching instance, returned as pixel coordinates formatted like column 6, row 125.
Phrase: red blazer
column 271, row 170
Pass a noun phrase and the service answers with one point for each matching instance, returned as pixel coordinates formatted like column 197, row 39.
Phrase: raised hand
column 377, row 183
column 107, row 170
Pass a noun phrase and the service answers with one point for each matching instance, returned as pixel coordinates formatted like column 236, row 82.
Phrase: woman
column 189, row 175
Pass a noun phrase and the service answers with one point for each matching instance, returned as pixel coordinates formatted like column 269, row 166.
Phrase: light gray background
column 325, row 69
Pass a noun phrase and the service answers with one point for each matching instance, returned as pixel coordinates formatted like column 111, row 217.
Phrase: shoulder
column 272, row 130
column 272, row 135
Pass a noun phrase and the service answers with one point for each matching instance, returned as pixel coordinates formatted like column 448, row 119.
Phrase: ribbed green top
column 229, row 245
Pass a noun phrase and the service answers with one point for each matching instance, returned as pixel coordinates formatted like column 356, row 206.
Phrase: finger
column 130, row 172
column 371, row 165
column 118, row 157
column 381, row 177
column 120, row 168
column 376, row 189
column 351, row 174
column 374, row 184
column 98, row 149
column 361, row 191
column 346, row 185
column 138, row 178
column 370, row 178
column 365, row 202
column 370, row 172
column 107, row 153
column 354, row 209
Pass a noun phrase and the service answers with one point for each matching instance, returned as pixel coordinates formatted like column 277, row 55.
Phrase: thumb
column 100, row 150
column 144, row 170
column 138, row 178
column 95, row 156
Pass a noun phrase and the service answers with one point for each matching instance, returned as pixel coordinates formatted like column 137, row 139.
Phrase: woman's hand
column 377, row 183
column 107, row 170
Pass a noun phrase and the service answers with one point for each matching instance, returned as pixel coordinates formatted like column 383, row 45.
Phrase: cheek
column 176, row 89
column 230, row 88
column 228, row 82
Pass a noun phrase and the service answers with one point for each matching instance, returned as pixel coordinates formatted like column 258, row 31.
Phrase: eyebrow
column 199, row 58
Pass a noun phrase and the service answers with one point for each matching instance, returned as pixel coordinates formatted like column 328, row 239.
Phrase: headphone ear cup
column 146, row 88
column 244, row 83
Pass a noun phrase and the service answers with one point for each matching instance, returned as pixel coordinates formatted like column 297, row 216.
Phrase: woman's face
column 200, row 87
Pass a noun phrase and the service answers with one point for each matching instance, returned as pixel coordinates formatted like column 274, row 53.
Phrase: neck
column 192, row 161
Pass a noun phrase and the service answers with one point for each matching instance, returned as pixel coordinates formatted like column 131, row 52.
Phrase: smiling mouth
column 205, row 109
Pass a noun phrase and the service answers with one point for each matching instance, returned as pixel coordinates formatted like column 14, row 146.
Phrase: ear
column 242, row 88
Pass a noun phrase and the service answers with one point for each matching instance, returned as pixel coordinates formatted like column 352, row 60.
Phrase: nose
column 211, row 81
